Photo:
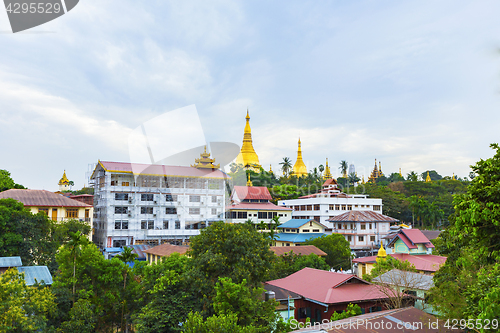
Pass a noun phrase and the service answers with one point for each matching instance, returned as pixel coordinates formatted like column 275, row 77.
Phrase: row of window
column 332, row 207
column 168, row 197
column 353, row 225
column 165, row 182
column 360, row 238
column 169, row 210
column 145, row 224
column 70, row 212
column 244, row 215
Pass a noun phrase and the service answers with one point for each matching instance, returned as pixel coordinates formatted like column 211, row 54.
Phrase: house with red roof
column 323, row 292
column 254, row 203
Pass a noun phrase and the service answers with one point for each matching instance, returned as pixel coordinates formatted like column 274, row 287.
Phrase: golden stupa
column 327, row 174
column 299, row 168
column 428, row 178
column 247, row 156
column 382, row 254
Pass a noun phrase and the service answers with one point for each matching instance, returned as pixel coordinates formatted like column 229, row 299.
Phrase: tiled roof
column 422, row 262
column 361, row 216
column 10, row 262
column 164, row 250
column 41, row 198
column 411, row 280
column 298, row 238
column 161, row 170
column 330, row 181
column 417, row 237
column 252, row 192
column 257, row 206
column 34, row 274
column 329, row 287
column 302, row 250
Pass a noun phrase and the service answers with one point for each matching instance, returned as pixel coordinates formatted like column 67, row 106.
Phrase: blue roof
column 10, row 262
column 113, row 249
column 298, row 238
column 33, row 274
column 294, row 223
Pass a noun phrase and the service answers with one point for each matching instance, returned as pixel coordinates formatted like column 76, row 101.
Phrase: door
column 317, row 317
column 54, row 214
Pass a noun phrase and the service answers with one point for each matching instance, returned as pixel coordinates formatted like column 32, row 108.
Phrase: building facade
column 160, row 204
column 297, row 231
column 329, row 202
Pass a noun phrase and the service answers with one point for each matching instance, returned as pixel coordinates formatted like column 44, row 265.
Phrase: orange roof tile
column 41, row 198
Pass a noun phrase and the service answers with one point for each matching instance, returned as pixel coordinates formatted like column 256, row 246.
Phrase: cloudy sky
column 415, row 84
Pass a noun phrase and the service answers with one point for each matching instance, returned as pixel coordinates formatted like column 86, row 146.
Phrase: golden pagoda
column 377, row 172
column 299, row 168
column 453, row 177
column 428, row 178
column 247, row 156
column 400, row 172
column 382, row 254
column 64, row 182
column 270, row 168
column 327, row 174
column 205, row 162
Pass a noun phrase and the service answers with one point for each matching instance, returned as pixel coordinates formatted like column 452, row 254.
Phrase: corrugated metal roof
column 302, row 250
column 161, row 170
column 431, row 234
column 295, row 223
column 298, row 238
column 417, row 237
column 139, row 250
column 252, row 193
column 33, row 274
column 10, row 262
column 409, row 280
column 422, row 262
column 257, row 206
column 166, row 249
column 41, row 198
column 280, row 293
column 362, row 216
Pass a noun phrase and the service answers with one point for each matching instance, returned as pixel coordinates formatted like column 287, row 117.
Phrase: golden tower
column 205, row 162
column 375, row 173
column 247, row 156
column 249, row 182
column 400, row 172
column 270, row 168
column 327, row 174
column 382, row 254
column 428, row 178
column 64, row 182
column 299, row 168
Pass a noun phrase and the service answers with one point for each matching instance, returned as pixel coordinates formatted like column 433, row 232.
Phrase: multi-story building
column 329, row 202
column 161, row 204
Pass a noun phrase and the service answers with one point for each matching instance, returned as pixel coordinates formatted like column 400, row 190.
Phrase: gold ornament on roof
column 249, row 182
column 377, row 172
column 327, row 174
column 205, row 162
column 382, row 254
column 64, row 180
column 247, row 156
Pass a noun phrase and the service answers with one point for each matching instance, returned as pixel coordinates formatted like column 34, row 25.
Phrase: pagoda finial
column 453, row 177
column 249, row 182
column 327, row 174
column 400, row 172
column 428, row 178
column 248, row 157
column 382, row 254
column 363, row 179
column 270, row 168
column 299, row 168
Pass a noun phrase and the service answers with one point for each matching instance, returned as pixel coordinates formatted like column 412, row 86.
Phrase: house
column 297, row 231
column 55, row 206
column 362, row 229
column 254, row 203
column 328, row 202
column 286, row 298
column 155, row 254
column 32, row 274
column 411, row 241
column 323, row 292
column 152, row 204
column 415, row 284
column 303, row 250
column 408, row 319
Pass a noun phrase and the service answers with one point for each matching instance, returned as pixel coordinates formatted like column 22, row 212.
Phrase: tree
column 23, row 308
column 337, row 249
column 351, row 311
column 76, row 242
column 215, row 324
column 432, row 173
column 82, row 318
column 387, row 264
column 343, row 168
column 6, row 182
column 353, row 179
column 286, row 165
column 126, row 257
column 412, row 176
column 321, row 168
column 290, row 263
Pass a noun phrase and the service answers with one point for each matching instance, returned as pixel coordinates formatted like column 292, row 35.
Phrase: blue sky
column 414, row 84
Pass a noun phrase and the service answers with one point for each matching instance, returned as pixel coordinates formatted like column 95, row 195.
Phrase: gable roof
column 362, row 216
column 34, row 274
column 297, row 223
column 10, row 262
column 252, row 193
column 41, row 198
column 164, row 250
column 328, row 287
column 330, row 181
column 431, row 234
column 422, row 262
column 298, row 238
column 302, row 250
column 280, row 293
column 409, row 280
column 412, row 237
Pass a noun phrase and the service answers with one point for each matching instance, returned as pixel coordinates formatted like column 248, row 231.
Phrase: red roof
column 302, row 250
column 164, row 250
column 161, row 170
column 252, row 192
column 41, row 198
column 330, row 181
column 422, row 262
column 417, row 237
column 329, row 287
column 361, row 216
column 257, row 206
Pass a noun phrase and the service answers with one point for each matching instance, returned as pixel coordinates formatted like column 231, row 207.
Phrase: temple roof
column 205, row 162
column 64, row 180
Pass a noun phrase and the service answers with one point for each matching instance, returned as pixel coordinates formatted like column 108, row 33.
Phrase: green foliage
column 432, row 173
column 466, row 286
column 284, row 192
column 6, row 182
column 23, row 308
column 215, row 324
column 351, row 311
column 387, row 264
column 336, row 247
column 82, row 318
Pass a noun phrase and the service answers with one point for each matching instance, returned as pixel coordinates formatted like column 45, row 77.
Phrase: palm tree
column 77, row 239
column 286, row 165
column 412, row 176
column 126, row 256
column 321, row 168
column 353, row 179
column 343, row 168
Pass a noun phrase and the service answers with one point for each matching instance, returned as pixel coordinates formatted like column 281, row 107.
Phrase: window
column 144, row 225
column 316, row 207
column 72, row 212
column 87, row 213
column 171, row 197
column 309, row 207
column 214, row 198
column 304, row 313
column 150, row 224
column 372, row 238
column 119, row 224
column 363, row 226
column 349, row 238
column 337, row 207
column 331, row 207
column 317, row 218
column 315, row 230
column 310, row 223
column 125, row 184
column 349, row 207
column 119, row 243
column 177, row 224
column 344, row 207
column 352, row 226
column 376, row 207
column 242, row 215
column 121, row 196
column 369, row 225
column 305, row 230
column 194, row 198
column 340, row 226
column 44, row 210
column 262, row 215
column 147, row 197
column 146, row 210
column 194, row 211
column 360, row 238
column 165, row 224
column 169, row 210
column 214, row 211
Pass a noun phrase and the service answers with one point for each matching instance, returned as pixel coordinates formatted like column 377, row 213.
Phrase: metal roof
column 302, row 250
column 33, row 274
column 257, row 206
column 408, row 280
column 166, row 249
column 10, row 262
column 297, row 223
column 362, row 216
column 252, row 193
column 422, row 262
column 298, row 238
column 41, row 198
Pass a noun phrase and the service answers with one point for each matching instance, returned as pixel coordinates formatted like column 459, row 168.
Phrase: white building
column 329, row 202
column 161, row 204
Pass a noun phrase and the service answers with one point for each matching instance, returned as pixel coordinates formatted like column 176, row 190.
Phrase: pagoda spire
column 428, row 178
column 249, row 182
column 270, row 168
column 382, row 254
column 247, row 156
column 327, row 174
column 299, row 168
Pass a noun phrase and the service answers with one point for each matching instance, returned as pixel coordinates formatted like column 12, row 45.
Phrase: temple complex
column 247, row 156
column 64, row 183
column 376, row 173
column 299, row 168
